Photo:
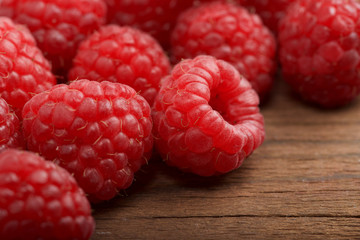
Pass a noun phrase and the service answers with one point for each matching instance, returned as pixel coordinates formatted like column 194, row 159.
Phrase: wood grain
column 302, row 183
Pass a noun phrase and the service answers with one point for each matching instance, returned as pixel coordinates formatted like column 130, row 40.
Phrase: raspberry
column 7, row 8
column 230, row 33
column 124, row 55
column 10, row 132
column 319, row 50
column 60, row 25
column 198, row 2
column 23, row 69
column 206, row 117
column 154, row 17
column 270, row 11
column 100, row 132
column 39, row 200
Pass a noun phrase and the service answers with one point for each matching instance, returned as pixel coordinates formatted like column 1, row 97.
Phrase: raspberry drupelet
column 23, row 69
column 124, row 55
column 228, row 32
column 206, row 117
column 40, row 200
column 100, row 132
column 320, row 50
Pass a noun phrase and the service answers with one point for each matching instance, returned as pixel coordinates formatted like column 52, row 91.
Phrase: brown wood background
column 302, row 183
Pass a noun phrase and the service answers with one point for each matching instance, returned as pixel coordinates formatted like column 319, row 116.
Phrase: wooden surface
column 302, row 183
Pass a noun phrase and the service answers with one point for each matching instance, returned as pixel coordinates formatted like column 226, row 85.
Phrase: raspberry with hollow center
column 320, row 50
column 124, row 55
column 23, row 69
column 10, row 130
column 228, row 32
column 206, row 117
column 39, row 200
column 100, row 132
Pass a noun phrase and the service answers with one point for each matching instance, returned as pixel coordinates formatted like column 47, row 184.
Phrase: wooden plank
column 234, row 227
column 315, row 188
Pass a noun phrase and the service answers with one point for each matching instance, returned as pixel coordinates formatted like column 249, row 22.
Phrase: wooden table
column 302, row 183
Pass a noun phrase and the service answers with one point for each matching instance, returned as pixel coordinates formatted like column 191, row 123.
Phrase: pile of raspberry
column 89, row 89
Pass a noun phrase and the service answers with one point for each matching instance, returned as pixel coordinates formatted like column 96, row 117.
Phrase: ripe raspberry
column 60, row 25
column 39, row 200
column 124, row 55
column 100, row 132
column 10, row 131
column 320, row 48
column 230, row 33
column 198, row 2
column 206, row 117
column 23, row 69
column 270, row 11
column 156, row 17
column 7, row 8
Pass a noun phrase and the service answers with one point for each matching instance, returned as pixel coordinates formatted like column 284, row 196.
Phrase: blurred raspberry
column 156, row 17
column 7, row 8
column 320, row 50
column 270, row 11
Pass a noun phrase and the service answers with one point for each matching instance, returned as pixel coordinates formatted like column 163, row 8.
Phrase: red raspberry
column 39, row 200
column 156, row 17
column 320, row 48
column 206, row 117
column 60, row 25
column 7, row 8
column 123, row 55
column 100, row 132
column 198, row 2
column 23, row 69
column 10, row 131
column 230, row 33
column 270, row 11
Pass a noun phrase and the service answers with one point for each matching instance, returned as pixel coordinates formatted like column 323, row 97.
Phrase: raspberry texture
column 270, row 11
column 7, row 8
column 198, row 2
column 39, row 200
column 60, row 25
column 10, row 130
column 124, row 55
column 206, row 117
column 23, row 69
column 230, row 33
column 156, row 17
column 319, row 50
column 100, row 132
